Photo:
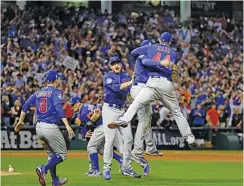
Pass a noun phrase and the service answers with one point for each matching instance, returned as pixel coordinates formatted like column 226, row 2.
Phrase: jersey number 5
column 43, row 105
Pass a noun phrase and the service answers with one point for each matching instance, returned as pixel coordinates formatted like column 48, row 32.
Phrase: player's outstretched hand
column 18, row 126
column 70, row 132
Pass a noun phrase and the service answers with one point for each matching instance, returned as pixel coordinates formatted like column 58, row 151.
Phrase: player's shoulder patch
column 109, row 80
column 60, row 96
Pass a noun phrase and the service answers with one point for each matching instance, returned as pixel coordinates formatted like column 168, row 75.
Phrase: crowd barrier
column 206, row 138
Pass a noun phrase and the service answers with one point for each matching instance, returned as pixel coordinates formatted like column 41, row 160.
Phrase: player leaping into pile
column 159, row 86
column 49, row 109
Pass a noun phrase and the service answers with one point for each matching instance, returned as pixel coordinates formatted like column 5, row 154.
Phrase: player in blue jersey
column 116, row 87
column 49, row 110
column 90, row 116
column 161, row 57
column 143, row 131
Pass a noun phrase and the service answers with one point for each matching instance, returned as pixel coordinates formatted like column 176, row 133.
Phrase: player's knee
column 128, row 139
column 101, row 151
column 109, row 144
column 91, row 149
column 63, row 155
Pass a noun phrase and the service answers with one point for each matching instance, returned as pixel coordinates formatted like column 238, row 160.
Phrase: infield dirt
column 171, row 155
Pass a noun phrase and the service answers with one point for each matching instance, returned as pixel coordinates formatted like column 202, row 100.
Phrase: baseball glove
column 174, row 75
column 95, row 114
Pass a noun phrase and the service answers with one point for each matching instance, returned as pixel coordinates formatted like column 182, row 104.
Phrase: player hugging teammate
column 108, row 126
column 155, row 69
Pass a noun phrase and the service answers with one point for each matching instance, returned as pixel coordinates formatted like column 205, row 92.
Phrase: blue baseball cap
column 52, row 75
column 114, row 59
column 166, row 37
column 75, row 100
column 145, row 42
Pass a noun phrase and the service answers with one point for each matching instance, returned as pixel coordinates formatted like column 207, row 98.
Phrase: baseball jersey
column 84, row 116
column 157, row 53
column 49, row 105
column 112, row 83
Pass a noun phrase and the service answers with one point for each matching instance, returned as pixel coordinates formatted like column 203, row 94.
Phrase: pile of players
column 108, row 124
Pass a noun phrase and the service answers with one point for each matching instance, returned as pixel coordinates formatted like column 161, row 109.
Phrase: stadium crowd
column 40, row 38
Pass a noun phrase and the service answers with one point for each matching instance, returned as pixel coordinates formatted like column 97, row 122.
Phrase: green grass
column 162, row 173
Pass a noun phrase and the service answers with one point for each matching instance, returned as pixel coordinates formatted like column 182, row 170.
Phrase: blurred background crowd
column 39, row 38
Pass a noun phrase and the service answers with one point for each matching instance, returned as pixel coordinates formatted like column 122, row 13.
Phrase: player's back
column 46, row 101
column 140, row 70
column 159, row 52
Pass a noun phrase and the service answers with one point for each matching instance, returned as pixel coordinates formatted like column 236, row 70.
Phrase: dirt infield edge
column 175, row 155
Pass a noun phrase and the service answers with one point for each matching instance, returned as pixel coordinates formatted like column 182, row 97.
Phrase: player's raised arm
column 29, row 103
column 129, row 82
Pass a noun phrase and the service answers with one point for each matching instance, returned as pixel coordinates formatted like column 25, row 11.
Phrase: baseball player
column 91, row 117
column 161, row 57
column 143, row 131
column 49, row 110
column 139, row 83
column 116, row 87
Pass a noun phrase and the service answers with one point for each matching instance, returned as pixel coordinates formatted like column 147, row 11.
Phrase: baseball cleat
column 62, row 181
column 130, row 172
column 155, row 153
column 58, row 183
column 146, row 170
column 89, row 172
column 118, row 123
column 191, row 142
column 95, row 173
column 40, row 171
column 107, row 175
column 140, row 160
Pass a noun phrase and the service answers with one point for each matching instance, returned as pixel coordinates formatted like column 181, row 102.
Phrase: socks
column 53, row 173
column 94, row 160
column 56, row 159
column 117, row 157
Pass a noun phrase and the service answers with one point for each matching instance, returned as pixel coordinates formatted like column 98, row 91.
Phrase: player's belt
column 137, row 83
column 115, row 106
column 159, row 77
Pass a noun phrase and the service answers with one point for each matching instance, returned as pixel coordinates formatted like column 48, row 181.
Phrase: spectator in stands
column 198, row 116
column 6, row 111
column 186, row 92
column 33, row 43
column 15, row 112
column 68, row 109
column 223, row 116
column 212, row 117
column 237, row 118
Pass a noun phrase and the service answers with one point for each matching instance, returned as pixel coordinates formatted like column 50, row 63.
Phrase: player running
column 49, row 110
column 91, row 117
column 116, row 87
column 159, row 86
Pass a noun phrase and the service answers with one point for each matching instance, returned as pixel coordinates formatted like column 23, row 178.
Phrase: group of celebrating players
column 108, row 124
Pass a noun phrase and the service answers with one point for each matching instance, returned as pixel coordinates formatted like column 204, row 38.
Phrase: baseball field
column 175, row 168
